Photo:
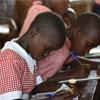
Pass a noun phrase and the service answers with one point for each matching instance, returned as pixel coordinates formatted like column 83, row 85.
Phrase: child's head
column 58, row 6
column 84, row 33
column 63, row 8
column 46, row 33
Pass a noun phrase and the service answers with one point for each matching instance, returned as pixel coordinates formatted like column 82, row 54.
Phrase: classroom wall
column 81, row 5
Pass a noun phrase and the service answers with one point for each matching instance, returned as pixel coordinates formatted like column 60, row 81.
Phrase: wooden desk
column 89, row 90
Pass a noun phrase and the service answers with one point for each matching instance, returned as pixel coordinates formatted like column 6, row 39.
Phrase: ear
column 34, row 32
column 69, row 16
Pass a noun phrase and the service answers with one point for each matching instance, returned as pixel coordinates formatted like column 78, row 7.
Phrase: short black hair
column 88, row 24
column 51, row 27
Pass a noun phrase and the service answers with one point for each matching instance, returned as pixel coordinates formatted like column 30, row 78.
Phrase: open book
column 93, row 55
column 4, row 29
column 92, row 59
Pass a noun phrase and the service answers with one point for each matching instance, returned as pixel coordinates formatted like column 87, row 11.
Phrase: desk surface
column 88, row 91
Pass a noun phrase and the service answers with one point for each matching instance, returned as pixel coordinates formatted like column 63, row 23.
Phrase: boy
column 88, row 37
column 82, row 36
column 61, row 7
column 18, row 70
column 84, row 33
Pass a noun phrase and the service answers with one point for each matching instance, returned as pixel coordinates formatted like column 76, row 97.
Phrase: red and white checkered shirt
column 16, row 78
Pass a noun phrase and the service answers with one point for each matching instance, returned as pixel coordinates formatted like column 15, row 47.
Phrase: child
column 61, row 7
column 32, row 13
column 84, row 33
column 58, row 6
column 82, row 37
column 19, row 73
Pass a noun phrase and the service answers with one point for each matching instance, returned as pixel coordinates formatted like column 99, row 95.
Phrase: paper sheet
column 4, row 29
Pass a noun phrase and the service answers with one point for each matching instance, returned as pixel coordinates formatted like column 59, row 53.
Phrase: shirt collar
column 17, row 48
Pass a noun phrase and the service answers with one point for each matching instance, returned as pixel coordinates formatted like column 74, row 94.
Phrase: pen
column 49, row 94
column 75, row 58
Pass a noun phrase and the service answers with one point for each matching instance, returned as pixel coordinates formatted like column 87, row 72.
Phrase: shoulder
column 11, row 58
column 9, row 54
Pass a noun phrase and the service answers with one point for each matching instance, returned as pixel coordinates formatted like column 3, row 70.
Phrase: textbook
column 94, row 53
column 4, row 29
column 95, row 50
column 96, row 59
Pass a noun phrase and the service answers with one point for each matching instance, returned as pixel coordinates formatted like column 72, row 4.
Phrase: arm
column 11, row 73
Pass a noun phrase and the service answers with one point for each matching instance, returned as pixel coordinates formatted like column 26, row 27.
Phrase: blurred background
column 81, row 5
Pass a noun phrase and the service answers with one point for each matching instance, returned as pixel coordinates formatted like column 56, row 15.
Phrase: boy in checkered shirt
column 18, row 71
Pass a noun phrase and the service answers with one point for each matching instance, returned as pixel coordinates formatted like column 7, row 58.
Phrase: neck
column 23, row 43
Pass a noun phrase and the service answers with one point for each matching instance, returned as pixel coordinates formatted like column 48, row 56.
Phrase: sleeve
column 51, row 64
column 10, row 79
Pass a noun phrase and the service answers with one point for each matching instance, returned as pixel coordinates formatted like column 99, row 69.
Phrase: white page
column 4, row 29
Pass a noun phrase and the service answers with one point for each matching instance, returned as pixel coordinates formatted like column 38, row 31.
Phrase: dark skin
column 35, row 44
column 82, row 42
column 80, row 71
column 61, row 8
column 18, row 11
column 58, row 6
column 38, row 46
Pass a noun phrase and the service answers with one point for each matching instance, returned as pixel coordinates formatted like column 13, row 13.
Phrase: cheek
column 36, row 51
column 40, row 53
column 37, row 54
column 79, row 47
